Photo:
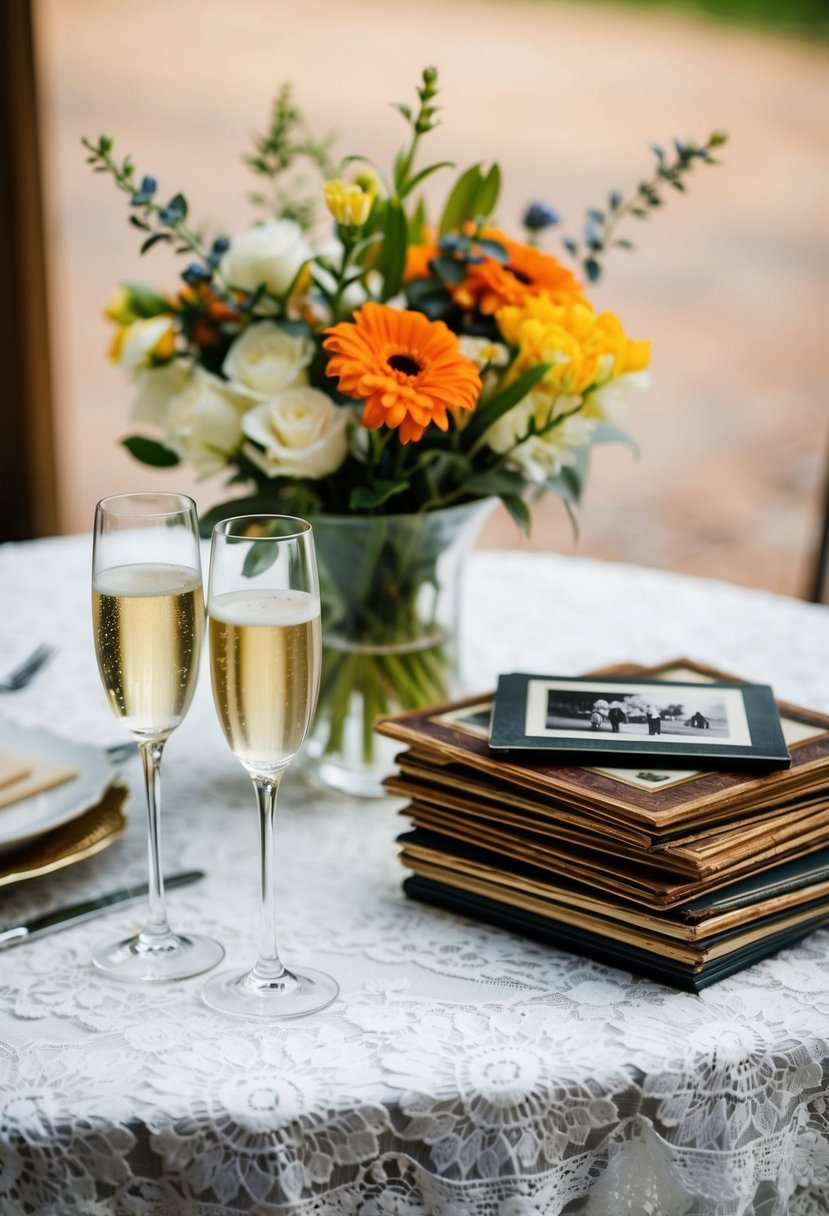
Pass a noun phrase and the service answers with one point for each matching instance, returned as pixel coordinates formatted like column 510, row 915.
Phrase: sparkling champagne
column 265, row 666
column 149, row 623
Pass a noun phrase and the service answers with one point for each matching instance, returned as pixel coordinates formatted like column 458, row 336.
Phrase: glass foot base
column 295, row 993
column 171, row 958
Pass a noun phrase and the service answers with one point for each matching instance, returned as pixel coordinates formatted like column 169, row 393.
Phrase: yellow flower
column 348, row 202
column 119, row 309
column 144, row 343
column 584, row 349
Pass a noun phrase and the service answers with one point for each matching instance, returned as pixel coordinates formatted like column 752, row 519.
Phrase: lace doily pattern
column 462, row 1070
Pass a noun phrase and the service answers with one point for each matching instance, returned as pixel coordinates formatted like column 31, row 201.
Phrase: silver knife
column 64, row 918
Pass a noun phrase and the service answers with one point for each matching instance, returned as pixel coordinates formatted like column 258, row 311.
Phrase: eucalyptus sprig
column 286, row 143
column 163, row 222
column 600, row 226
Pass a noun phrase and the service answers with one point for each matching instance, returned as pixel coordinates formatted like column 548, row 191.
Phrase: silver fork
column 20, row 676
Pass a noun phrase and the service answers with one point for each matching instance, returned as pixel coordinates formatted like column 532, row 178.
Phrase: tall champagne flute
column 148, row 619
column 263, row 610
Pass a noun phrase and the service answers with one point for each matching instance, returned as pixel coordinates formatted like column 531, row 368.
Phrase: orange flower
column 491, row 284
column 526, row 273
column 407, row 369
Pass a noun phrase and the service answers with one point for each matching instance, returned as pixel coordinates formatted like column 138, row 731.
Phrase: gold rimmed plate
column 95, row 829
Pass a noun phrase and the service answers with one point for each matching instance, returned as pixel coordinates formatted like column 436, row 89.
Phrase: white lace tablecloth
column 462, row 1070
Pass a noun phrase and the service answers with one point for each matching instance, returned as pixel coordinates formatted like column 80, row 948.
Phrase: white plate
column 31, row 817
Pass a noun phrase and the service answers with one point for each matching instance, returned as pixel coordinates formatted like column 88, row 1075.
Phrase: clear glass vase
column 390, row 590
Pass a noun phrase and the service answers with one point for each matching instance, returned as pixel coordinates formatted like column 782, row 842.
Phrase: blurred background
column 731, row 281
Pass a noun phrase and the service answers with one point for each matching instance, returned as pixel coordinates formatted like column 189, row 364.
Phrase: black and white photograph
column 656, row 712
column 654, row 715
column 625, row 720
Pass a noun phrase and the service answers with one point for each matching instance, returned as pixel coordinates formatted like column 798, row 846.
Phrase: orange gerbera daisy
column 407, row 369
column 527, row 272
column 491, row 284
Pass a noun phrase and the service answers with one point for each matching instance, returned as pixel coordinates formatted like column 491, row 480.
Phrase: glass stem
column 156, row 929
column 268, row 967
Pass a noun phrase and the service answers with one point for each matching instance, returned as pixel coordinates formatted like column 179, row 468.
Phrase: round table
column 462, row 1069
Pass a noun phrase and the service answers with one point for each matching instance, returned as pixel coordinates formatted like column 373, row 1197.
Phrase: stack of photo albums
column 684, row 876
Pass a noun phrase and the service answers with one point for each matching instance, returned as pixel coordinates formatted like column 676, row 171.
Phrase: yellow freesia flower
column 348, row 202
column 120, row 309
column 585, row 349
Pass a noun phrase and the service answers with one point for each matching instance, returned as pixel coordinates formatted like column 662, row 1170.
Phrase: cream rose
column 545, row 455
column 302, row 432
column 136, row 344
column 269, row 254
column 154, row 390
column 203, row 421
column 265, row 359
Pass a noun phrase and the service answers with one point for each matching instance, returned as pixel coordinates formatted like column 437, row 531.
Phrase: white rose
column 136, row 344
column 154, row 390
column 265, row 359
column 302, row 432
column 271, row 253
column 203, row 422
column 545, row 455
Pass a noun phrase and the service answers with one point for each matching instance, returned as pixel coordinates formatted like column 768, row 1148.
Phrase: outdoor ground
column 730, row 282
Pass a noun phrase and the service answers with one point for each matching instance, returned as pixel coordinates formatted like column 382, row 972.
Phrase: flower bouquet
column 384, row 379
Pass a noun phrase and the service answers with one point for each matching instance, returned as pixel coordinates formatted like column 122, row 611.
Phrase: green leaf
column 448, row 270
column 403, row 109
column 417, row 222
column 486, row 197
column 486, row 415
column 366, row 498
column 493, row 249
column 259, row 558
column 254, row 504
column 518, row 510
column 495, row 482
column 427, row 172
column 154, row 239
column 459, row 205
column 150, row 451
column 568, row 483
column 178, row 205
column 606, row 433
column 145, row 300
column 392, row 260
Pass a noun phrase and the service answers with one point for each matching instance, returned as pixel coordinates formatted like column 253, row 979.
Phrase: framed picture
column 626, row 720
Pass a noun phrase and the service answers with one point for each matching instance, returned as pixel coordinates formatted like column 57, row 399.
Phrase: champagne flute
column 148, row 618
column 263, row 609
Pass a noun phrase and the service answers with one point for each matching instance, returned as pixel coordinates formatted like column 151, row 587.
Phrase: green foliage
column 599, row 232
column 803, row 18
column 473, row 197
column 285, row 145
column 392, row 260
column 150, row 451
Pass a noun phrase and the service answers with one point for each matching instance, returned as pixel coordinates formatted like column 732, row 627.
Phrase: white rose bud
column 265, row 359
column 203, row 422
column 302, row 432
column 269, row 254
